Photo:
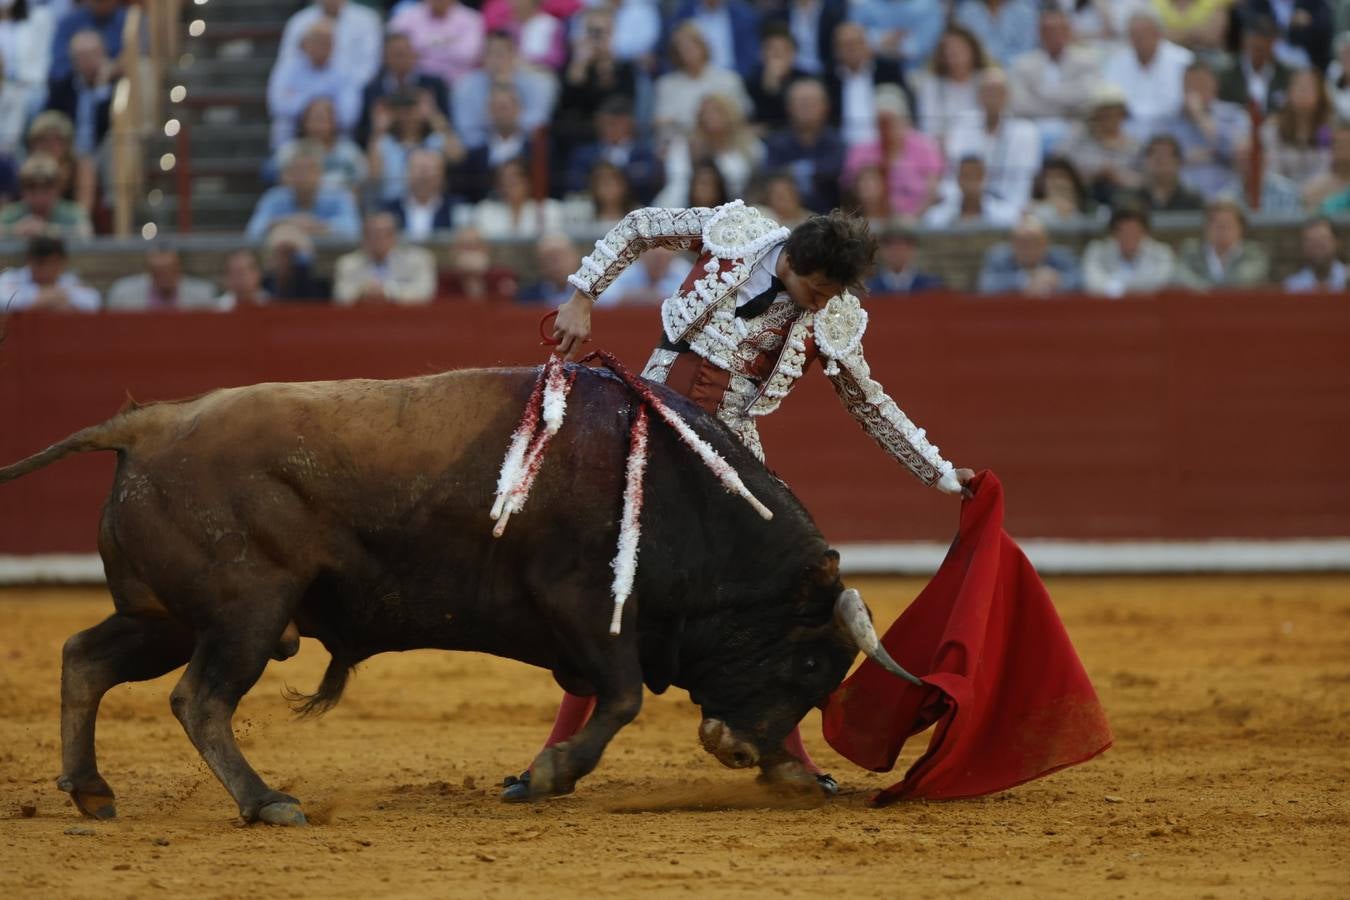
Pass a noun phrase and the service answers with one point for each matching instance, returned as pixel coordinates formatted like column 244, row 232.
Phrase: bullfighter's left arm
column 838, row 332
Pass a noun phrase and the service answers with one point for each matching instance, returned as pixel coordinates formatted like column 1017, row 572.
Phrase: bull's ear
column 827, row 570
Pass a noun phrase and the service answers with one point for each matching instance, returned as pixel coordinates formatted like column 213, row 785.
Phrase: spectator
column 707, row 187
column 1100, row 149
column 1197, row 25
column 557, row 258
column 1150, row 72
column 52, row 135
column 447, row 35
column 382, row 270
column 425, row 207
column 506, row 141
column 896, row 272
column 1129, row 260
column 1010, row 147
column 608, row 199
column 314, row 72
column 654, row 277
column 809, row 147
column 537, row 91
column 536, row 32
column 470, row 274
column 636, row 31
column 730, row 30
column 680, row 91
column 40, row 210
column 1338, row 75
column 1101, row 23
column 720, row 136
column 344, row 165
column 1297, row 138
column 1059, row 194
column 1209, row 132
column 84, row 93
column 1028, row 264
column 1303, row 29
column 13, row 118
column 1321, row 271
column 398, row 75
column 907, row 31
column 44, row 284
column 162, row 285
column 1006, row 28
column 968, row 200
column 777, row 70
column 1053, row 84
column 1224, row 259
column 811, row 24
column 617, row 142
column 290, row 275
column 853, row 83
column 1257, row 77
column 912, row 161
column 404, row 123
column 511, row 212
column 302, row 200
column 107, row 17
column 243, row 283
column 1161, row 190
column 356, row 32
column 783, row 200
column 868, row 196
column 947, row 92
column 594, row 77
column 26, row 48
column 1337, row 177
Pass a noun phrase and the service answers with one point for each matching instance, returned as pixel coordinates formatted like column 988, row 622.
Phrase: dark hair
column 776, row 28
column 979, row 56
column 45, row 246
column 708, row 167
column 1128, row 212
column 1169, row 140
column 1062, row 164
column 838, row 245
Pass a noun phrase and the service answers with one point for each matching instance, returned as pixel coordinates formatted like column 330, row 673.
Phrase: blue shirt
column 80, row 19
column 921, row 21
column 332, row 206
column 1012, row 31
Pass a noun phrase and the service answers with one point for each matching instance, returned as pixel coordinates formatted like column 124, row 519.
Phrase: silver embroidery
column 658, row 365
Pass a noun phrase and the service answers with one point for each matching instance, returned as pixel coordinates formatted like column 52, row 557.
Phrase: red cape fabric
column 1002, row 682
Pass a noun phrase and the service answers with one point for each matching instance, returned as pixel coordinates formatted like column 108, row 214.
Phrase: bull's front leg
column 618, row 700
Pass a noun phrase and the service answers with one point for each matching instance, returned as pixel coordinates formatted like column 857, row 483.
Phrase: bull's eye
column 810, row 664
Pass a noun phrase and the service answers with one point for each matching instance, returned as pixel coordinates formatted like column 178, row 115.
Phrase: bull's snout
column 717, row 738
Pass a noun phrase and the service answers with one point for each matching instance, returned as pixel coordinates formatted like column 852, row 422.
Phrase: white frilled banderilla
column 541, row 420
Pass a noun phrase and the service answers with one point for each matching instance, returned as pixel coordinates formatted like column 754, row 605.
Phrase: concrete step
column 228, row 13
column 246, row 141
column 226, row 212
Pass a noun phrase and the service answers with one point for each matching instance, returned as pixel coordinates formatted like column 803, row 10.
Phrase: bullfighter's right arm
column 640, row 230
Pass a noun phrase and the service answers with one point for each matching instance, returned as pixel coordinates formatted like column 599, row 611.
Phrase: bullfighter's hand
column 956, row 481
column 965, row 477
column 573, row 325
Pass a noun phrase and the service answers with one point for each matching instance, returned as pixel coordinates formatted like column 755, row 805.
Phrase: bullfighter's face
column 811, row 291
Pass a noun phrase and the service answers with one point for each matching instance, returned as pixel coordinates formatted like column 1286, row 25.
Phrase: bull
column 355, row 513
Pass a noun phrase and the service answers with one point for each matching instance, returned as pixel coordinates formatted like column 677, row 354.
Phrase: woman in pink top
column 912, row 160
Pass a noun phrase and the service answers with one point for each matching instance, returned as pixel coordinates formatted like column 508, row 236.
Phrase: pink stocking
column 793, row 744
column 573, row 713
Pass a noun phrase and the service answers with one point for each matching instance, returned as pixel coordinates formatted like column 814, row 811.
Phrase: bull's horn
column 851, row 613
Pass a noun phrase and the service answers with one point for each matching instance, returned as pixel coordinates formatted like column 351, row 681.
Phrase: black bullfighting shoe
column 828, row 786
column 516, row 788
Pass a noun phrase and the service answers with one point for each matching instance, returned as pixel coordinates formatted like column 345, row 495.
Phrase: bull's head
column 773, row 674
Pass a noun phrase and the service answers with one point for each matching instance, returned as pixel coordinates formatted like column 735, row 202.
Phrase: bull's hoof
column 516, row 789
column 828, row 786
column 545, row 778
column 93, row 797
column 282, row 813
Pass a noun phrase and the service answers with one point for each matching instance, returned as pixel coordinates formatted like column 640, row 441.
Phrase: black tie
column 761, row 301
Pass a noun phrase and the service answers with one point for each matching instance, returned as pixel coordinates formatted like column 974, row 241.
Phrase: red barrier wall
column 1180, row 417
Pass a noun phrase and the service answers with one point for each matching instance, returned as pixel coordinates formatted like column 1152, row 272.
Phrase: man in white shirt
column 383, row 271
column 1054, row 83
column 44, row 284
column 424, row 207
column 1150, row 71
column 967, row 200
column 1322, row 271
column 316, row 71
column 357, row 31
column 1010, row 147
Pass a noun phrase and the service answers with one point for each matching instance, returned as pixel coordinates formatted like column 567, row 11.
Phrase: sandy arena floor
column 1230, row 700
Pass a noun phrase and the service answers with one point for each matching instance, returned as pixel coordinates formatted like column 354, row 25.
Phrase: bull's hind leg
column 618, row 683
column 122, row 648
column 228, row 660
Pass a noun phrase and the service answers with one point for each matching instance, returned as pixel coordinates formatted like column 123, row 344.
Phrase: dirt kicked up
column 1229, row 697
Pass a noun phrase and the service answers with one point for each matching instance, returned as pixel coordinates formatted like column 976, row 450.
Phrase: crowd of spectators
column 530, row 120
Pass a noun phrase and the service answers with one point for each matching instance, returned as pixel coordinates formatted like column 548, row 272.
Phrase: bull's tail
column 110, row 435
column 334, row 681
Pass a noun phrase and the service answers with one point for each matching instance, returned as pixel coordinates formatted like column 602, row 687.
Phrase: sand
column 1229, row 697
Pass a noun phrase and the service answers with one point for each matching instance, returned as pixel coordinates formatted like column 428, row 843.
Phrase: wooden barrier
column 1176, row 417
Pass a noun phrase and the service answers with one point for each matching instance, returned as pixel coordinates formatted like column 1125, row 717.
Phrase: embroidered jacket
column 764, row 355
